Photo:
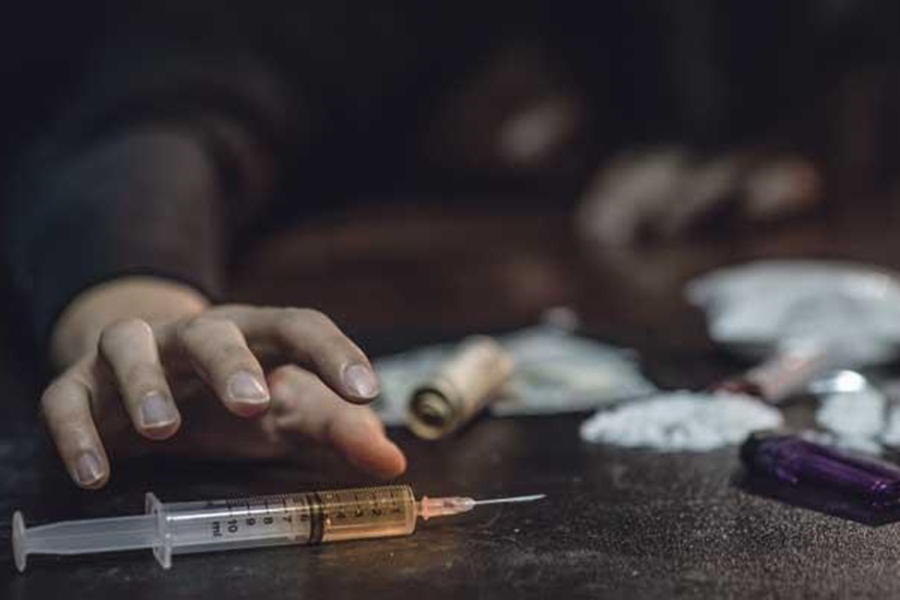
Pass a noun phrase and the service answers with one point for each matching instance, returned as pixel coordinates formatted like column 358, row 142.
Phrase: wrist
column 153, row 299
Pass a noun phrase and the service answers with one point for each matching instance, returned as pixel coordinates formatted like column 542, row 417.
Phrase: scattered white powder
column 681, row 420
column 857, row 419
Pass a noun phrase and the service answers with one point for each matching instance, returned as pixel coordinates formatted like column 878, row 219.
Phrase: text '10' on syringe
column 207, row 526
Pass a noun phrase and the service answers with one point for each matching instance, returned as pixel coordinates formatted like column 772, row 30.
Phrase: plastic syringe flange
column 19, row 542
column 162, row 549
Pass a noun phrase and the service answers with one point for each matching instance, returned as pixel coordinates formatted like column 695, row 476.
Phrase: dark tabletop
column 614, row 524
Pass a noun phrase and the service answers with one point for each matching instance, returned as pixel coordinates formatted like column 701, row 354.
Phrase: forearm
column 152, row 299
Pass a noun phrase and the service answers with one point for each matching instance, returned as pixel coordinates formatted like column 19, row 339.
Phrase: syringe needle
column 454, row 505
column 531, row 498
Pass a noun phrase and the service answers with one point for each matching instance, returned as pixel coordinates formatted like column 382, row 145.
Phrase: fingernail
column 88, row 468
column 361, row 380
column 244, row 387
column 156, row 411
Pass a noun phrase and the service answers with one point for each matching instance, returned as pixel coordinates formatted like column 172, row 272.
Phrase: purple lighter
column 793, row 460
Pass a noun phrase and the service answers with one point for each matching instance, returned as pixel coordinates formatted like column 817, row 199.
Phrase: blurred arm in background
column 770, row 104
column 694, row 112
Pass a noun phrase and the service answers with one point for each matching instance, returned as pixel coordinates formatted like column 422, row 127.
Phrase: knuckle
column 205, row 329
column 55, row 397
column 339, row 343
column 122, row 332
column 57, row 389
column 231, row 356
column 294, row 323
column 49, row 398
column 141, row 375
column 307, row 316
column 192, row 330
column 231, row 351
column 227, row 328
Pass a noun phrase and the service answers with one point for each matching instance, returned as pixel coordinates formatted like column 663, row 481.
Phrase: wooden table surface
column 615, row 523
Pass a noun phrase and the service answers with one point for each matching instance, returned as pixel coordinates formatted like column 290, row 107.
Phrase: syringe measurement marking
column 257, row 512
column 251, row 516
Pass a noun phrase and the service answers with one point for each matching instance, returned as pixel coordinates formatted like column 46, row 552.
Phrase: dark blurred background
column 482, row 193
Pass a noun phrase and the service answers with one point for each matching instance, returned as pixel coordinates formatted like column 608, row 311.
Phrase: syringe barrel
column 303, row 518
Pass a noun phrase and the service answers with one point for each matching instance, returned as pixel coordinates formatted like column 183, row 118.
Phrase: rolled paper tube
column 460, row 389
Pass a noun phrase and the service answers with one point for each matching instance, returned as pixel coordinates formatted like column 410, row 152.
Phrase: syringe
column 206, row 526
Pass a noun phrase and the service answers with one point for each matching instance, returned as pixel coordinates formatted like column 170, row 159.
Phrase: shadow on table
column 817, row 499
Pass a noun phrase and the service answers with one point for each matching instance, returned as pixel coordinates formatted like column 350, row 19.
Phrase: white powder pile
column 681, row 420
column 852, row 309
column 857, row 419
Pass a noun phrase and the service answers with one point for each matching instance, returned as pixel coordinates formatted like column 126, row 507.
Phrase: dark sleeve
column 164, row 148
column 189, row 118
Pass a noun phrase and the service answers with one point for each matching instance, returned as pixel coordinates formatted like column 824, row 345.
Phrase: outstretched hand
column 232, row 381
